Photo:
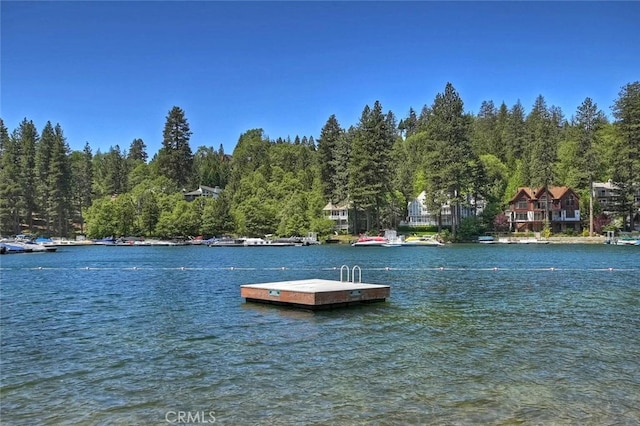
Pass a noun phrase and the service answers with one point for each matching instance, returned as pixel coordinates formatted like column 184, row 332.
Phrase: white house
column 419, row 215
column 202, row 191
column 339, row 214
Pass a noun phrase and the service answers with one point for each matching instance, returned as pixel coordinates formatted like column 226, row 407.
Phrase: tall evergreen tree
column 10, row 190
column 82, row 177
column 4, row 137
column 484, row 136
column 43, row 166
column 543, row 131
column 115, row 171
column 542, row 145
column 175, row 159
column 502, row 123
column 448, row 165
column 138, row 151
column 340, row 165
column 27, row 136
column 515, row 135
column 409, row 125
column 330, row 137
column 58, row 186
column 626, row 111
column 370, row 163
column 588, row 121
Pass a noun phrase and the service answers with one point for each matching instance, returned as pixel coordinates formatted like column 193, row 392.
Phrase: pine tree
column 330, row 137
column 10, row 190
column 588, row 121
column 82, row 177
column 175, row 159
column 542, row 144
column 370, row 162
column 340, row 165
column 138, row 151
column 43, row 159
column 484, row 130
column 409, row 125
column 58, row 185
column 115, row 171
column 448, row 163
column 626, row 111
column 27, row 136
column 515, row 135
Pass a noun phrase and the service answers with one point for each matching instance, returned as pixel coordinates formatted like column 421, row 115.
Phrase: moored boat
column 421, row 241
column 367, row 241
column 486, row 239
column 226, row 242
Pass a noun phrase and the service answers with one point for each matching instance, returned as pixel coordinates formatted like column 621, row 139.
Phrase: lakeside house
column 606, row 194
column 339, row 214
column 529, row 206
column 419, row 215
column 202, row 191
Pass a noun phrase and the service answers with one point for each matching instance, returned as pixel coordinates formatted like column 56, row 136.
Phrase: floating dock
column 316, row 293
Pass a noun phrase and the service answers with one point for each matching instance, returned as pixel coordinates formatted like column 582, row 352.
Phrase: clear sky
column 109, row 72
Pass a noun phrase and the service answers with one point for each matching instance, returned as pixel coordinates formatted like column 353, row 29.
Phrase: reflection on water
column 495, row 336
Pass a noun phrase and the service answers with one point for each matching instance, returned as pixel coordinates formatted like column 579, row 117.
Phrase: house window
column 570, row 200
column 521, row 204
column 521, row 216
column 570, row 214
column 538, row 216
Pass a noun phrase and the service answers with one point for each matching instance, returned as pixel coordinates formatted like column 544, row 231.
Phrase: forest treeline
column 280, row 186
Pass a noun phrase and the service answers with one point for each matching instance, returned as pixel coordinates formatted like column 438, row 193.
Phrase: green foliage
column 216, row 218
column 470, row 228
column 212, row 168
column 280, row 187
column 422, row 229
column 101, row 219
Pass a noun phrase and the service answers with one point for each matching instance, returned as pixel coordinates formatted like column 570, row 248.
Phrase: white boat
column 628, row 241
column 486, row 239
column 421, row 242
column 532, row 241
column 259, row 242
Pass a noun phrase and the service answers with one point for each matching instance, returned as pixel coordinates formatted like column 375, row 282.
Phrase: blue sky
column 109, row 72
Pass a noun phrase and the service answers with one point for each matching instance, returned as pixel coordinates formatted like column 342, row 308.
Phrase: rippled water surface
column 501, row 334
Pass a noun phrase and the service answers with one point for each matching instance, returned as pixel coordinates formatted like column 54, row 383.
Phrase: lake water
column 499, row 334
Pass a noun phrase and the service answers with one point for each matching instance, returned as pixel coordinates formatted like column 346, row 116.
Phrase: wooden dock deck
column 315, row 293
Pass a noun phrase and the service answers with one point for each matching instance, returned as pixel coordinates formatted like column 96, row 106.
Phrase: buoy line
column 332, row 268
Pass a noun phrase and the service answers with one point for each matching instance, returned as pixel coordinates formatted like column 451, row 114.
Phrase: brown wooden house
column 529, row 207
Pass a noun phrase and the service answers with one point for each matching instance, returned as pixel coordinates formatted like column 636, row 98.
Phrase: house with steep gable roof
column 339, row 214
column 529, row 207
column 202, row 191
column 419, row 215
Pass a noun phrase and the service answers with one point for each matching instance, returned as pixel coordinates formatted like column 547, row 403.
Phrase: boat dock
column 316, row 293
